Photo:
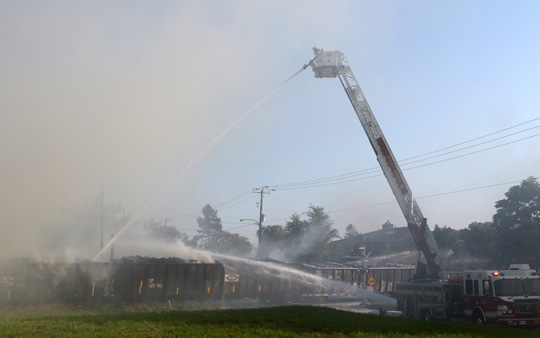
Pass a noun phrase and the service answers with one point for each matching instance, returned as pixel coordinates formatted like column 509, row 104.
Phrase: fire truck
column 509, row 298
column 502, row 297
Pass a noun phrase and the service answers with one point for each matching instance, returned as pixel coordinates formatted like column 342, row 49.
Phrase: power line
column 232, row 200
column 470, row 189
column 375, row 171
column 242, row 201
column 242, row 226
column 430, row 196
column 331, row 181
column 340, row 178
column 475, row 145
column 474, row 139
column 419, row 197
column 474, row 152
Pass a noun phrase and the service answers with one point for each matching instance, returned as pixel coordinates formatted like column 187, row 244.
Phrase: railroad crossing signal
column 371, row 281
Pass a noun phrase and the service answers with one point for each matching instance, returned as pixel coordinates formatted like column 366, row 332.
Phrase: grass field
column 289, row 321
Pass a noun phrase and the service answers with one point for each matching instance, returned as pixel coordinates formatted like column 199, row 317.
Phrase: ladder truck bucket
column 327, row 64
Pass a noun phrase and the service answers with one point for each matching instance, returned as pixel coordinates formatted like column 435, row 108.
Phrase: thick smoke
column 147, row 241
column 295, row 247
column 160, row 250
column 99, row 110
column 125, row 99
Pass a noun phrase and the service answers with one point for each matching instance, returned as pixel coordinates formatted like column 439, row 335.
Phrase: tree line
column 306, row 237
column 512, row 236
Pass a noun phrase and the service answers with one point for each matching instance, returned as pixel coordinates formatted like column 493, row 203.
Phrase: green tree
column 210, row 229
column 273, row 236
column 234, row 244
column 163, row 232
column 295, row 227
column 517, row 224
column 448, row 238
column 350, row 231
column 314, row 236
column 478, row 239
column 212, row 237
column 301, row 240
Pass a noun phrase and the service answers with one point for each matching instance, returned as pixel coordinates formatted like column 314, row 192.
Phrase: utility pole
column 109, row 285
column 101, row 247
column 262, row 190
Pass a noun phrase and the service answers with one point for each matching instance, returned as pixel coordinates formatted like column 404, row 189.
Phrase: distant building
column 389, row 239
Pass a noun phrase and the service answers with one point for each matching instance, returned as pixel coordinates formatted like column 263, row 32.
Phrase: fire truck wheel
column 478, row 319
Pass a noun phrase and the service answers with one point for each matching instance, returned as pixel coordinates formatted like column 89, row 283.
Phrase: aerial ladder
column 331, row 64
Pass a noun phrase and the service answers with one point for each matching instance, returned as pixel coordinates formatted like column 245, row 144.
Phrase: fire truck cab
column 502, row 297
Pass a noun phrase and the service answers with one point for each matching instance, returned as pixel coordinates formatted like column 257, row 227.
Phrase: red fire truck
column 508, row 298
column 502, row 297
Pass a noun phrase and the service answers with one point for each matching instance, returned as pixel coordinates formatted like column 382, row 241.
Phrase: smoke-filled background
column 128, row 96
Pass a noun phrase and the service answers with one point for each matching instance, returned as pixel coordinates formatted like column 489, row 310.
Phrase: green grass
column 289, row 321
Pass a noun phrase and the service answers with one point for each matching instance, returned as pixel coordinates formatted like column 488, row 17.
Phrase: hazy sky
column 145, row 96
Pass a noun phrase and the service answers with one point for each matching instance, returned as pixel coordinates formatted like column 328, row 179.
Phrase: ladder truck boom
column 331, row 64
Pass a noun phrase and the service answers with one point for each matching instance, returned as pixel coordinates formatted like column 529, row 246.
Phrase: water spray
column 304, row 278
column 203, row 152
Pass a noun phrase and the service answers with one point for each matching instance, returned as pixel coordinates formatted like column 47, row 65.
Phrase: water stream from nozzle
column 279, row 271
column 173, row 179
